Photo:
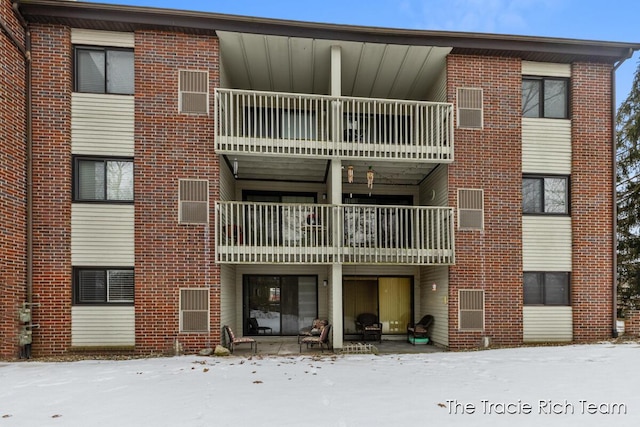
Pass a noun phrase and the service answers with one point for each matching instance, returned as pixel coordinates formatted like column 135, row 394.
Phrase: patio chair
column 233, row 341
column 255, row 329
column 314, row 330
column 321, row 340
column 367, row 324
column 420, row 329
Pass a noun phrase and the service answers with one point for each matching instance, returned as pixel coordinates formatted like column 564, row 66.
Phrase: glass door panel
column 359, row 296
column 395, row 304
column 283, row 303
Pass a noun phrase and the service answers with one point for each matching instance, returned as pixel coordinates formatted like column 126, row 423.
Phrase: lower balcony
column 276, row 233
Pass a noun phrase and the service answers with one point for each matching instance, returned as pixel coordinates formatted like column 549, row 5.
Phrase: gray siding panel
column 102, row 38
column 434, row 302
column 546, row 146
column 102, row 125
column 548, row 69
column 102, row 235
column 547, row 324
column 546, row 243
column 99, row 326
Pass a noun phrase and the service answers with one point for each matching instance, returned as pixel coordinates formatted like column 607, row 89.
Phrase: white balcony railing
column 248, row 232
column 325, row 126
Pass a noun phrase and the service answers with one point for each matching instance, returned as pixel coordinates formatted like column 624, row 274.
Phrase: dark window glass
column 104, row 286
column 555, row 99
column 531, row 98
column 103, row 180
column 104, row 70
column 545, row 195
column 545, row 97
column 546, row 288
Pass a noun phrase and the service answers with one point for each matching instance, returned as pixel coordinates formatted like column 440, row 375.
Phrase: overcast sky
column 607, row 20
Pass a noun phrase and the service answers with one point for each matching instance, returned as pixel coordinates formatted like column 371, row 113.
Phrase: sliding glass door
column 387, row 297
column 283, row 303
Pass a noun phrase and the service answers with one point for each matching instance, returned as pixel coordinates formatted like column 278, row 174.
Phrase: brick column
column 12, row 183
column 168, row 147
column 52, row 79
column 591, row 202
column 489, row 159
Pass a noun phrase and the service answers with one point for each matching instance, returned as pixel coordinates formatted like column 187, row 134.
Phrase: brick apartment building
column 164, row 173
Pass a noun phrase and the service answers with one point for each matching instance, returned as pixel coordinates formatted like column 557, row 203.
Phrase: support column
column 336, row 306
column 335, row 198
column 336, row 71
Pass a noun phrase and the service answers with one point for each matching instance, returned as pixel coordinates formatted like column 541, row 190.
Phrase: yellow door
column 395, row 304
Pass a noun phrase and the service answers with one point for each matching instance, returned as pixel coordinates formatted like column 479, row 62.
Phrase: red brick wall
column 489, row 159
column 632, row 324
column 169, row 147
column 12, row 182
column 52, row 67
column 591, row 203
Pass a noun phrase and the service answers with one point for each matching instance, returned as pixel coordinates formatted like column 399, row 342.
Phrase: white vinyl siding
column 81, row 36
column 435, row 302
column 438, row 91
column 227, row 183
column 102, row 326
column 547, row 324
column 547, row 69
column 546, row 146
column 228, row 305
column 102, row 235
column 546, row 243
column 102, row 124
column 434, row 191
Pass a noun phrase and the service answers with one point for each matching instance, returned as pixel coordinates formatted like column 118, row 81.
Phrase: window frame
column 542, row 277
column 105, row 159
column 542, row 177
column 76, row 287
column 541, row 97
column 105, row 49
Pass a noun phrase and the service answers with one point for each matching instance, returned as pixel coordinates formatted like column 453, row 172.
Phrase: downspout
column 29, row 156
column 614, row 174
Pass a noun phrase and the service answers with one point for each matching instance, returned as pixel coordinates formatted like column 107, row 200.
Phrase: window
column 103, row 286
column 193, row 196
column 194, row 310
column 470, row 108
column 103, row 179
column 104, row 70
column 545, row 97
column 193, row 92
column 545, row 195
column 470, row 209
column 471, row 315
column 546, row 288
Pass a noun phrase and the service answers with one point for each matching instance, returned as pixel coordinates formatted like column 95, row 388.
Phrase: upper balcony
column 320, row 126
column 265, row 233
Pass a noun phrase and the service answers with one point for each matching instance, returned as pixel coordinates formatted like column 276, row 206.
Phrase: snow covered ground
column 578, row 385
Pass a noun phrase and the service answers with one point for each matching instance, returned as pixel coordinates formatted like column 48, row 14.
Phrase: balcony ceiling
column 302, row 65
column 271, row 168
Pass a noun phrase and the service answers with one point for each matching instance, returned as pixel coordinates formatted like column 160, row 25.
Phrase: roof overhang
column 132, row 18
